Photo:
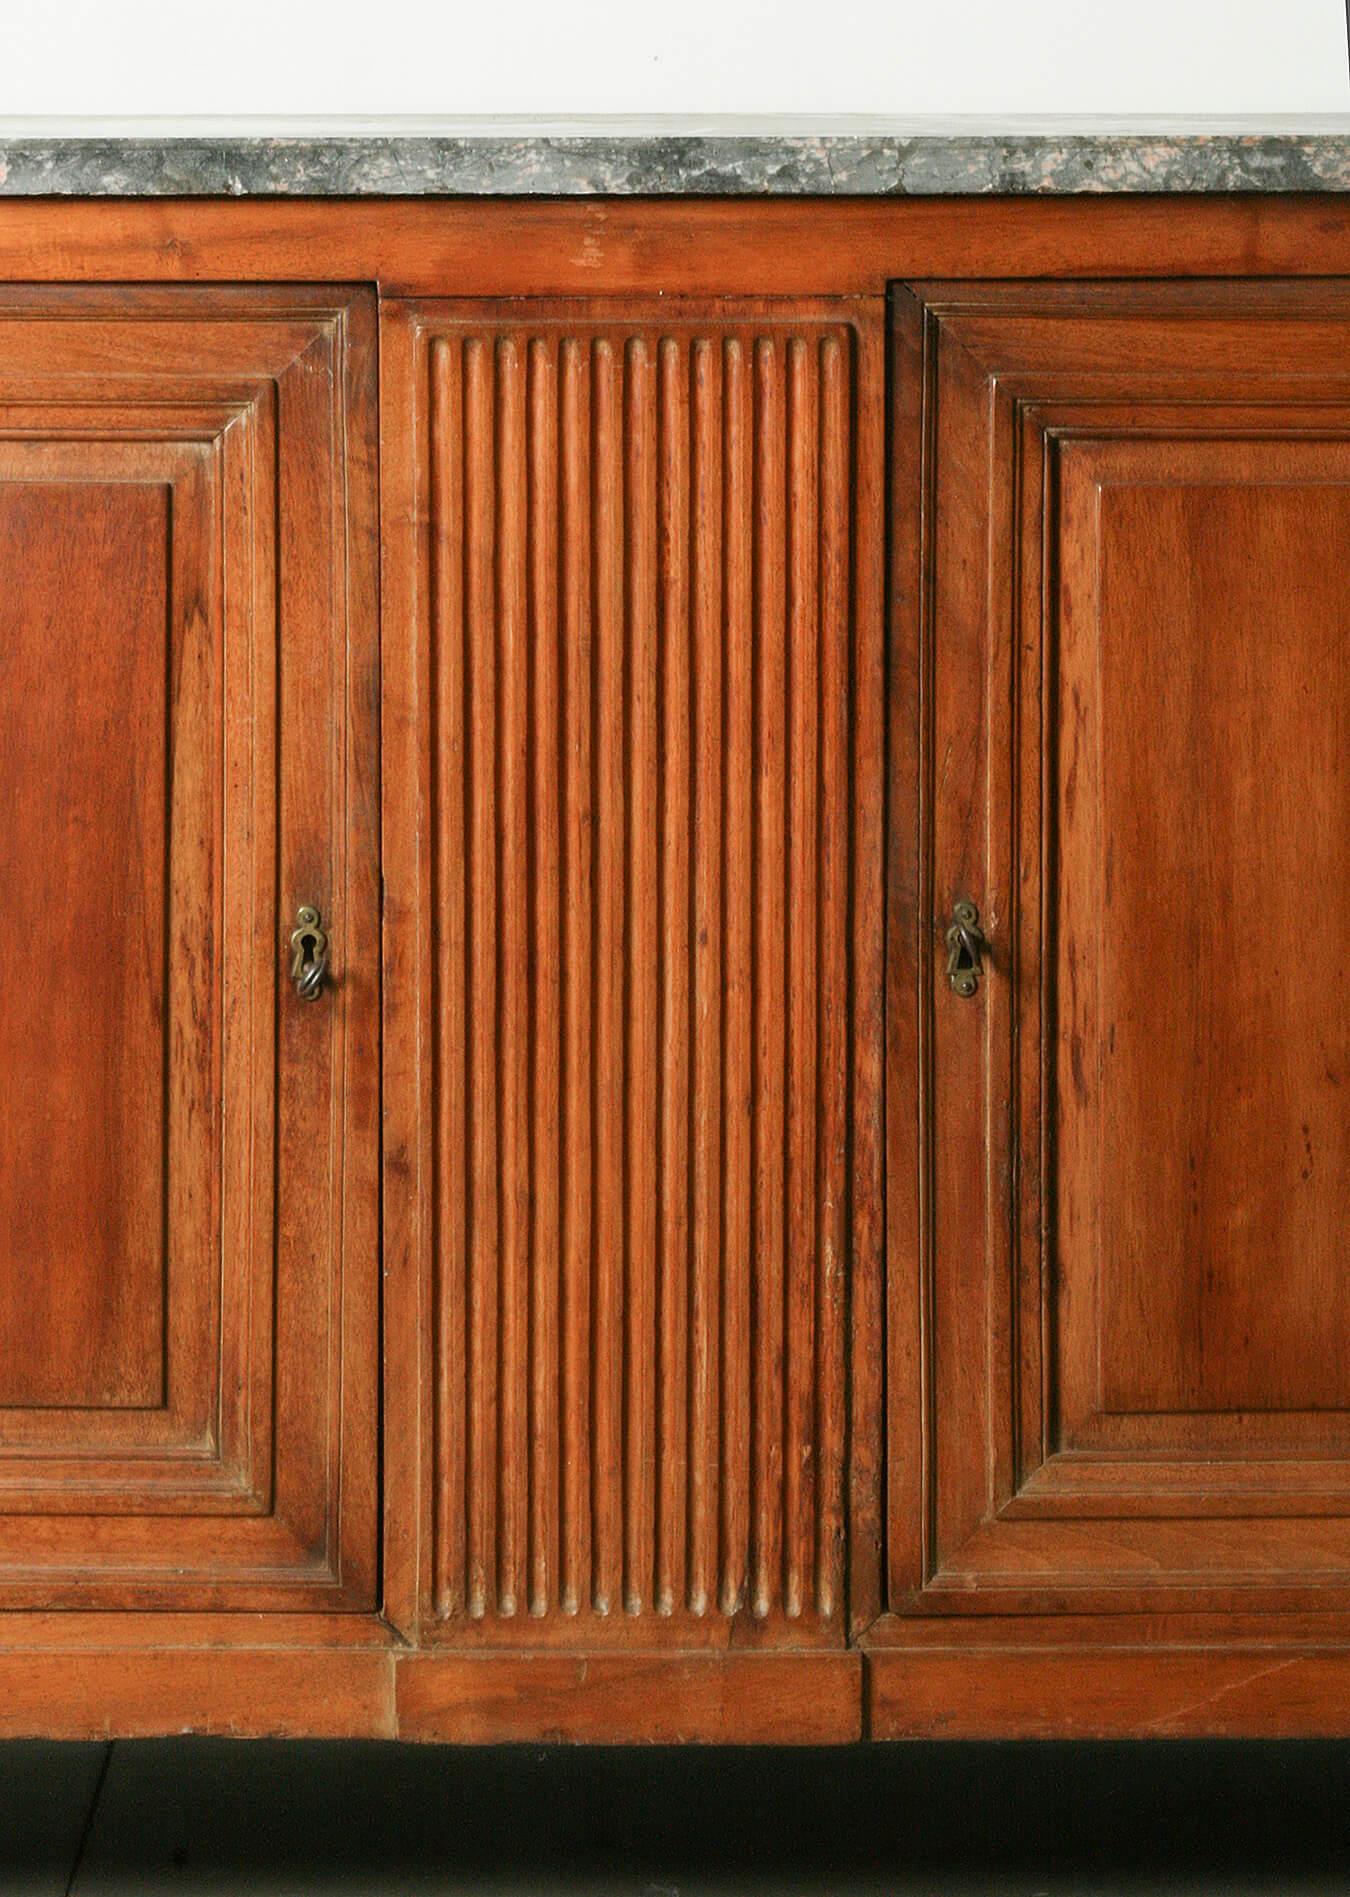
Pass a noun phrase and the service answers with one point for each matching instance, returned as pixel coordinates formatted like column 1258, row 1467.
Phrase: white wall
column 565, row 56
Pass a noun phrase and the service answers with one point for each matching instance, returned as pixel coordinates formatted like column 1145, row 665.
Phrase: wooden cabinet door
column 633, row 612
column 188, row 1266
column 1120, row 1304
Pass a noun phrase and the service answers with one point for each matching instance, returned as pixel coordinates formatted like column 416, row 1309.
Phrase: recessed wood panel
column 83, row 759
column 187, row 1259
column 1205, row 636
column 645, row 585
column 1119, row 1323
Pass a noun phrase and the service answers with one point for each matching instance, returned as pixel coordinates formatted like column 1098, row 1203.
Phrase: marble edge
column 663, row 163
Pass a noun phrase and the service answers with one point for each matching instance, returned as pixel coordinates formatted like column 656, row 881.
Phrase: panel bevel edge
column 908, row 1472
column 220, row 1477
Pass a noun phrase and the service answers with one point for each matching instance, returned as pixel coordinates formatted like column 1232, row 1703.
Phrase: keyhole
column 964, row 943
column 309, row 953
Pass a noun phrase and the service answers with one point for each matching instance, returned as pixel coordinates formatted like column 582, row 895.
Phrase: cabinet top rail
column 706, row 156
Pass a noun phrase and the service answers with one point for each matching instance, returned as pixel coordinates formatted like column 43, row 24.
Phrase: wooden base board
column 612, row 1699
column 474, row 1699
column 1083, row 1678
column 225, row 1692
column 1132, row 1695
column 921, row 1681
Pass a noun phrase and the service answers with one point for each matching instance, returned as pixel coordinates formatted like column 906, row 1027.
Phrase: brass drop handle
column 309, row 953
column 965, row 946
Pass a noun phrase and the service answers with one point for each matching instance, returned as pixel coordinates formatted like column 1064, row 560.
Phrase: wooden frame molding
column 1018, row 1483
column 732, row 247
column 216, row 1676
column 220, row 1450
column 1112, row 1677
column 945, row 1681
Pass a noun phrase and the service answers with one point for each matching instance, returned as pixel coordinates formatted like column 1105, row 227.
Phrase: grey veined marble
column 850, row 157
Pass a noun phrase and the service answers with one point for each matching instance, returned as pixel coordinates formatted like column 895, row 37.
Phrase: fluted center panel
column 640, row 579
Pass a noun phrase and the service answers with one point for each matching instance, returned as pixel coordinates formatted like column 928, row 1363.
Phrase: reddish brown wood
column 1200, row 1631
column 160, row 1692
column 141, row 1687
column 861, row 728
column 627, row 246
column 82, row 1216
column 626, row 1699
column 1117, row 1324
column 187, row 1210
column 643, row 606
column 637, row 1360
column 1213, row 1102
column 406, row 1309
column 1110, row 1693
column 127, row 1681
column 99, row 1631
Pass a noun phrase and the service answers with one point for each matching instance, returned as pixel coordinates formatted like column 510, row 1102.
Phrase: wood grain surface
column 647, row 599
column 188, row 1321
column 1118, row 1321
column 750, row 247
column 720, row 622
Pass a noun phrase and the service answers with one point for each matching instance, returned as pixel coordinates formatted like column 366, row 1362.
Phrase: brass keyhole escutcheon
column 309, row 953
column 965, row 947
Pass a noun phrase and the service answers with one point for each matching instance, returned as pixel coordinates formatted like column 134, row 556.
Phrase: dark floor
column 206, row 1816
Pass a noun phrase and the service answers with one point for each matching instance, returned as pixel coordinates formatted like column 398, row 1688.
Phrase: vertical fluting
column 449, row 951
column 675, row 740
column 514, row 1024
column 543, row 751
column 641, row 613
column 799, row 1364
column 832, row 922
column 705, row 1029
column 737, row 802
column 577, row 961
column 770, row 969
column 641, row 977
column 611, row 950
column 481, row 1038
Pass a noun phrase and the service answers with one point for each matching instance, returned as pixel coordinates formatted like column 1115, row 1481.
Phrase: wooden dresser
column 673, row 966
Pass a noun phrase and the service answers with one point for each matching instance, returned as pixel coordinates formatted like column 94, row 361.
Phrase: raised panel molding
column 183, row 1438
column 75, row 1196
column 647, row 600
column 225, row 1455
column 1060, row 1433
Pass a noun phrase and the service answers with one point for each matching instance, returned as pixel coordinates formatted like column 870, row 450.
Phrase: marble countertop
column 821, row 157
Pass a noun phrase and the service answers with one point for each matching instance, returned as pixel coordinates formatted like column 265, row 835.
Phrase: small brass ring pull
column 309, row 954
column 965, row 946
